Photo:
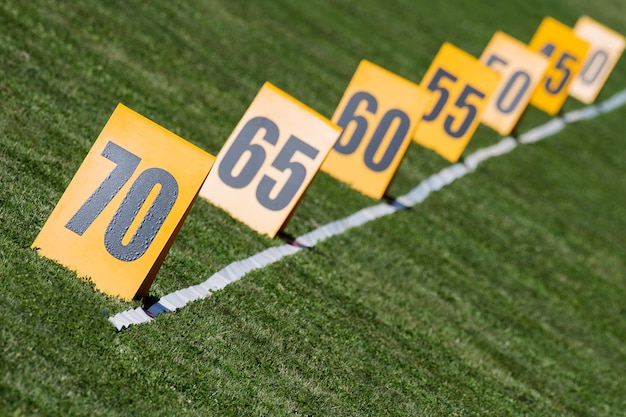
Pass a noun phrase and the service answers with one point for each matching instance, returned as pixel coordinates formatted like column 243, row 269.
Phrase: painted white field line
column 236, row 270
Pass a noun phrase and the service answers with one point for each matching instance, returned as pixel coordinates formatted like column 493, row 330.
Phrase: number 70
column 126, row 215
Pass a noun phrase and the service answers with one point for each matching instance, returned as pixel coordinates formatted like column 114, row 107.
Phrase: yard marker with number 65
column 379, row 112
column 463, row 86
column 269, row 160
column 124, row 207
column 566, row 52
column 606, row 48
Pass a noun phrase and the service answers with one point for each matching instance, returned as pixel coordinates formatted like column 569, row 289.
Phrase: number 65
column 256, row 156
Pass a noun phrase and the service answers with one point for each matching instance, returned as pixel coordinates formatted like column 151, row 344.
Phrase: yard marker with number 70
column 269, row 160
column 124, row 207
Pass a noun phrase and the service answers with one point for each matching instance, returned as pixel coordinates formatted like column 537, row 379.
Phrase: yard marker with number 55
column 124, row 207
column 463, row 86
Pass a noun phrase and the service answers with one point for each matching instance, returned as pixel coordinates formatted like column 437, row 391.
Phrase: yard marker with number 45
column 566, row 53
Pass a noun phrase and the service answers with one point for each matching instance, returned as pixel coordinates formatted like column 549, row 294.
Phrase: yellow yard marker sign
column 521, row 70
column 379, row 112
column 122, row 210
column 606, row 47
column 463, row 86
column 269, row 160
column 566, row 52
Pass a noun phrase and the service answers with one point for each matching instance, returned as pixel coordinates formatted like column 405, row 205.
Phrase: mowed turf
column 502, row 294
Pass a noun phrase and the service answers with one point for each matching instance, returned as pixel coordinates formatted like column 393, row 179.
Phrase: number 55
column 460, row 103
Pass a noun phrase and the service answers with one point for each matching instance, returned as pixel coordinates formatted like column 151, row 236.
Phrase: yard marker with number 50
column 124, row 207
column 463, row 86
column 606, row 48
column 566, row 52
column 269, row 160
column 379, row 112
column 521, row 70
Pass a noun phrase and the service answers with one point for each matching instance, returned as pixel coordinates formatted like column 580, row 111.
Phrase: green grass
column 502, row 294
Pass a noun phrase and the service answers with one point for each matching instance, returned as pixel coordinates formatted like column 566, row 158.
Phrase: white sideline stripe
column 550, row 128
column 506, row 145
column 236, row 270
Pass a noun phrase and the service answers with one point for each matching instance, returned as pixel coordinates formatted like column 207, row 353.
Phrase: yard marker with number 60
column 606, row 48
column 379, row 112
column 463, row 86
column 122, row 210
column 566, row 52
column 269, row 160
column 521, row 70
